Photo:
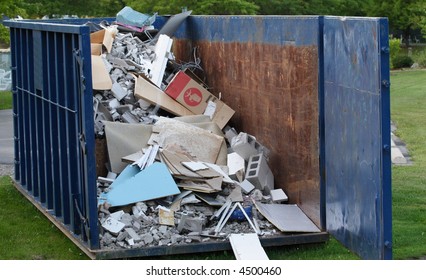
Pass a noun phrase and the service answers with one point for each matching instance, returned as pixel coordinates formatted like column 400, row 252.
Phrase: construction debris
column 177, row 173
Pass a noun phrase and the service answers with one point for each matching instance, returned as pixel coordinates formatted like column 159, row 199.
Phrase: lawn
column 39, row 239
column 5, row 100
column 408, row 103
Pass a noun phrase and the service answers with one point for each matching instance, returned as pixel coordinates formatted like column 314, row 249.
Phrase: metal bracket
column 80, row 61
column 83, row 220
column 82, row 142
column 388, row 244
column 386, row 83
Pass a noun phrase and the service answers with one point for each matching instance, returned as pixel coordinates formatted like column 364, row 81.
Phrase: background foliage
column 404, row 15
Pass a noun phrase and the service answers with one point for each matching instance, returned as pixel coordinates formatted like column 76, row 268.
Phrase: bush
column 394, row 48
column 402, row 61
column 420, row 58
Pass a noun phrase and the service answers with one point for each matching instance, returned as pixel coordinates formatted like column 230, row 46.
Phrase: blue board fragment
column 134, row 185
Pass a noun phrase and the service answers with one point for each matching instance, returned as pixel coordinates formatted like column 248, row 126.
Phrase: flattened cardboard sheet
column 145, row 90
column 100, row 76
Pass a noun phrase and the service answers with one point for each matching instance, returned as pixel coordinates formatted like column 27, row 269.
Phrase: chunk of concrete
column 132, row 233
column 259, row 173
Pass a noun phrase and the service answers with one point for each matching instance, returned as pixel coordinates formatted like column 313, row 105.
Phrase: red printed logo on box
column 192, row 97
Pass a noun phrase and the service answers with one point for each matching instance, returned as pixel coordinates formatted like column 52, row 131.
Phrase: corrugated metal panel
column 53, row 123
column 356, row 116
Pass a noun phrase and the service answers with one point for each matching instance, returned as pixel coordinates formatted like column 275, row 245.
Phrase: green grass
column 5, row 100
column 27, row 234
column 408, row 103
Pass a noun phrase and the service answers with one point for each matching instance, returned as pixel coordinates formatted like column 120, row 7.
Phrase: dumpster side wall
column 53, row 122
column 266, row 69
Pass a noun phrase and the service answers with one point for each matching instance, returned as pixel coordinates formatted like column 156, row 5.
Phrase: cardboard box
column 198, row 99
column 101, row 38
column 100, row 75
column 147, row 91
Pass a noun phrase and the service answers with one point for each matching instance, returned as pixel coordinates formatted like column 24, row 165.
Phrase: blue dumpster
column 313, row 89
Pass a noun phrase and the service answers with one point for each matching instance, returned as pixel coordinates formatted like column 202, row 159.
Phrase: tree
column 10, row 9
column 403, row 15
column 206, row 7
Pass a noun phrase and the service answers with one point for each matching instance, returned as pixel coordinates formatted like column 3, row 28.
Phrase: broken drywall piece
column 278, row 195
column 204, row 145
column 117, row 215
column 190, row 199
column 153, row 182
column 236, row 194
column 209, row 199
column 132, row 157
column 197, row 186
column 112, row 225
column 247, row 246
column 219, row 170
column 148, row 157
column 194, row 166
column 246, row 186
column 124, row 139
column 236, row 165
column 287, row 217
column 162, row 49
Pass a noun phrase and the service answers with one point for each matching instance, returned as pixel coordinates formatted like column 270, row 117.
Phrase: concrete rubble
column 217, row 172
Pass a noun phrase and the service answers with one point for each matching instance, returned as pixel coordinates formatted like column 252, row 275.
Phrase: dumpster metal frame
column 43, row 157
